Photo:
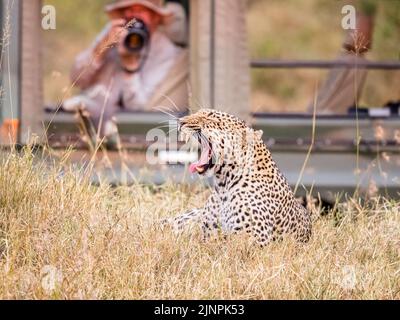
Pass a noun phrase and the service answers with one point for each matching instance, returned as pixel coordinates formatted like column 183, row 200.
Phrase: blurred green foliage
column 368, row 7
column 79, row 18
column 311, row 29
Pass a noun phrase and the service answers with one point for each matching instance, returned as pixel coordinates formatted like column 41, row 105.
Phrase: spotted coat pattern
column 250, row 193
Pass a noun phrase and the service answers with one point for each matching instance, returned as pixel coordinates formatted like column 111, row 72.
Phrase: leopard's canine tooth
column 184, row 137
column 200, row 169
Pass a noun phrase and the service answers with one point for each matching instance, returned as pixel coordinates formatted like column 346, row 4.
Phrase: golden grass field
column 63, row 238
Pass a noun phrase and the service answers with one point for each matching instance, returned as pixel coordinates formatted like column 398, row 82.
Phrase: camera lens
column 137, row 37
column 134, row 42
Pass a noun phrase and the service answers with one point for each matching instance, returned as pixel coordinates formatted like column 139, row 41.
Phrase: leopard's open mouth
column 205, row 161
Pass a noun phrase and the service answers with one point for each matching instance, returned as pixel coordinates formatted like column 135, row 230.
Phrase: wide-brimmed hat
column 154, row 5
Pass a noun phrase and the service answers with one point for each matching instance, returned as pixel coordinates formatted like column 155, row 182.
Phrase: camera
column 138, row 36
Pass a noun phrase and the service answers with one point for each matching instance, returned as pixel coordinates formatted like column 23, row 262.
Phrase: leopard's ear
column 258, row 133
column 252, row 135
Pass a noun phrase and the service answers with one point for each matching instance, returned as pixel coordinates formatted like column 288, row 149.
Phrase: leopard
column 250, row 194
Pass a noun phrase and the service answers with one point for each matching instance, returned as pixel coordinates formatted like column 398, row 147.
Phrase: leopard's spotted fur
column 250, row 193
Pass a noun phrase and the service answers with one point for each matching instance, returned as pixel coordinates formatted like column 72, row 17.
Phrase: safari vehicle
column 327, row 154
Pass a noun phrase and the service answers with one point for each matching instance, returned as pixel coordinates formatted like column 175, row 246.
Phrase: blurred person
column 342, row 88
column 129, row 61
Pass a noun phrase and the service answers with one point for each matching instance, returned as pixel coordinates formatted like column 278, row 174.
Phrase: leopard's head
column 223, row 138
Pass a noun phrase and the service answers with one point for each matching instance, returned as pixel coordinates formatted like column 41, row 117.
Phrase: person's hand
column 116, row 33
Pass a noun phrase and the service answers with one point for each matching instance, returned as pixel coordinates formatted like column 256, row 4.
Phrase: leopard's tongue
column 204, row 158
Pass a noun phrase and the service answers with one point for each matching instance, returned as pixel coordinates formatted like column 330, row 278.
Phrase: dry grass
column 62, row 238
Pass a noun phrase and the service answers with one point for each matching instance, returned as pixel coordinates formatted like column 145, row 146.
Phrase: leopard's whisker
column 172, row 130
column 159, row 108
column 172, row 102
